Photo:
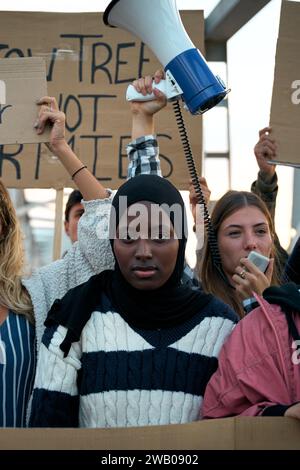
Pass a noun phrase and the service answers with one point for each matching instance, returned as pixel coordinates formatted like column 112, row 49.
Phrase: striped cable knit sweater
column 120, row 376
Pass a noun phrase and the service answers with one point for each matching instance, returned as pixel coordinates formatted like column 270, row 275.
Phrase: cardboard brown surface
column 267, row 433
column 23, row 82
column 222, row 434
column 89, row 67
column 285, row 109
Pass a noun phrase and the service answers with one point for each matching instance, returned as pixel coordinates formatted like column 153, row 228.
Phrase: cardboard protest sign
column 285, row 110
column 235, row 433
column 22, row 83
column 89, row 67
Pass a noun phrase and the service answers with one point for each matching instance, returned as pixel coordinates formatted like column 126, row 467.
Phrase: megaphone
column 158, row 24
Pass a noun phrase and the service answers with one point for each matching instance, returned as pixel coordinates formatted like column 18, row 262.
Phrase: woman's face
column 245, row 230
column 145, row 248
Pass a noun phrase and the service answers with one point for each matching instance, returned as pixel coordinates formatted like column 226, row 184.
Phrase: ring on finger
column 243, row 274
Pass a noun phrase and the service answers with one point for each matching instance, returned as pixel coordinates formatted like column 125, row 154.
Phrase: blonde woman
column 17, row 349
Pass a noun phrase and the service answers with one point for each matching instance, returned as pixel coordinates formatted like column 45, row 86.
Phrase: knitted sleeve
column 90, row 255
column 93, row 237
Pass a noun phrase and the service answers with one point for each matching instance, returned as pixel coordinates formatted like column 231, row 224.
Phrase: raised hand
column 50, row 114
column 264, row 150
column 249, row 278
column 144, row 86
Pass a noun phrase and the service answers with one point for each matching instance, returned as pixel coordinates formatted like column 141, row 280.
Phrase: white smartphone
column 259, row 260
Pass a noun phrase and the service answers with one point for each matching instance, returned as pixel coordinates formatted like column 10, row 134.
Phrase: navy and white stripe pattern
column 119, row 376
column 143, row 154
column 17, row 367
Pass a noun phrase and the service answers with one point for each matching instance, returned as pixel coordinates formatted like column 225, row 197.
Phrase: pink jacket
column 259, row 366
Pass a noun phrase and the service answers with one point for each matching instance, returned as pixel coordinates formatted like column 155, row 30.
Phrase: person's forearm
column 87, row 184
column 267, row 191
column 142, row 124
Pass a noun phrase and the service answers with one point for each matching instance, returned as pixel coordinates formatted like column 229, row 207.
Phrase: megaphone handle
column 133, row 95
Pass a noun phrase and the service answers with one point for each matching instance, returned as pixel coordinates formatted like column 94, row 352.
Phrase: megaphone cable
column 212, row 240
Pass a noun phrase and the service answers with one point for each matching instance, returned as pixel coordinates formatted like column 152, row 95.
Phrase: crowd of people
column 116, row 333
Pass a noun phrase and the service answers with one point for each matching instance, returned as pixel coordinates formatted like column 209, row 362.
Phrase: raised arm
column 143, row 151
column 266, row 184
column 88, row 185
column 143, row 111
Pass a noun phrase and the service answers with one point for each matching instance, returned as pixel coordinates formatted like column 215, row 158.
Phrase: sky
column 93, row 5
column 251, row 59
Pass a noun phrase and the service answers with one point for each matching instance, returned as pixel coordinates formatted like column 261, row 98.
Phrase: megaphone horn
column 158, row 24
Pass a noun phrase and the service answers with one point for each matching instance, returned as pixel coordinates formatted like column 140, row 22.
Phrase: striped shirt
column 17, row 367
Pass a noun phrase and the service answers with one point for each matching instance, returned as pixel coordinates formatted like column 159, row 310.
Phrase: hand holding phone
column 260, row 261
column 256, row 282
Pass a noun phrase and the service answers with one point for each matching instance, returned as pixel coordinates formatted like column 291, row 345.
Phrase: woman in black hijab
column 133, row 346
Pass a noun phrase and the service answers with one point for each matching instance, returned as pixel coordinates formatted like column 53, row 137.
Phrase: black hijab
column 168, row 306
column 174, row 302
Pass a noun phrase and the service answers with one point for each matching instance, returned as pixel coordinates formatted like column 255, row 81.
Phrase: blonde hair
column 13, row 294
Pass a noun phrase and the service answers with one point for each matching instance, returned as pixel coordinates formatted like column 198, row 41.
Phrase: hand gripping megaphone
column 158, row 24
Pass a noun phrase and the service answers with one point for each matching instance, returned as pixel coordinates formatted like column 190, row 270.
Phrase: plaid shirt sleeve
column 143, row 155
